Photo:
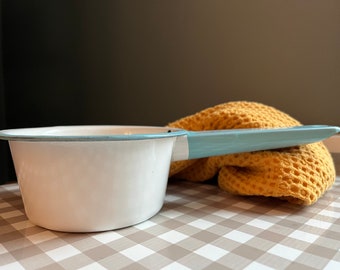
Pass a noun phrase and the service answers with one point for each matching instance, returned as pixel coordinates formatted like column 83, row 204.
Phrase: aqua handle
column 221, row 142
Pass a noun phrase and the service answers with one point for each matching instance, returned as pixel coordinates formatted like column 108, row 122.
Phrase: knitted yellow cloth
column 298, row 174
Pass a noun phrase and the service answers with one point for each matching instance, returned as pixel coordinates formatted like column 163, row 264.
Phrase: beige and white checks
column 199, row 227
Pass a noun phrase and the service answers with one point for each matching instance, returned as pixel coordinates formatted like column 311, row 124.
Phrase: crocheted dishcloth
column 298, row 174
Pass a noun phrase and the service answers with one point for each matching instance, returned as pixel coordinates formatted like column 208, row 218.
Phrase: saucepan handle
column 199, row 144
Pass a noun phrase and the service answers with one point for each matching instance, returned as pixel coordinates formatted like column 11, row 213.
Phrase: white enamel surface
column 181, row 149
column 92, row 186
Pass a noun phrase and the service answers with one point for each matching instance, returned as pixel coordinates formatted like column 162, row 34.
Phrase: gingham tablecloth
column 199, row 227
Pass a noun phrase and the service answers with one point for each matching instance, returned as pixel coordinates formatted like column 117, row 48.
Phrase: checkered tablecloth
column 199, row 227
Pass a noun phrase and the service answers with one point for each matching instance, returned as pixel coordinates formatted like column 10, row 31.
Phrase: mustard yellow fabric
column 298, row 174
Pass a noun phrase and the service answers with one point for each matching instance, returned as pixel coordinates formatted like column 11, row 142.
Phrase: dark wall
column 42, row 63
column 6, row 169
column 150, row 62
column 91, row 62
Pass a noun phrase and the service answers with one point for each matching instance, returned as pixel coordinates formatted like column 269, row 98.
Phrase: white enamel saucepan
column 97, row 178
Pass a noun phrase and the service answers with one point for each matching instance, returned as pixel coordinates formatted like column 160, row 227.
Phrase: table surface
column 199, row 227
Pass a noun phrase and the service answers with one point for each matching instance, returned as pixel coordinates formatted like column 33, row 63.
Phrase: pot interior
column 90, row 133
